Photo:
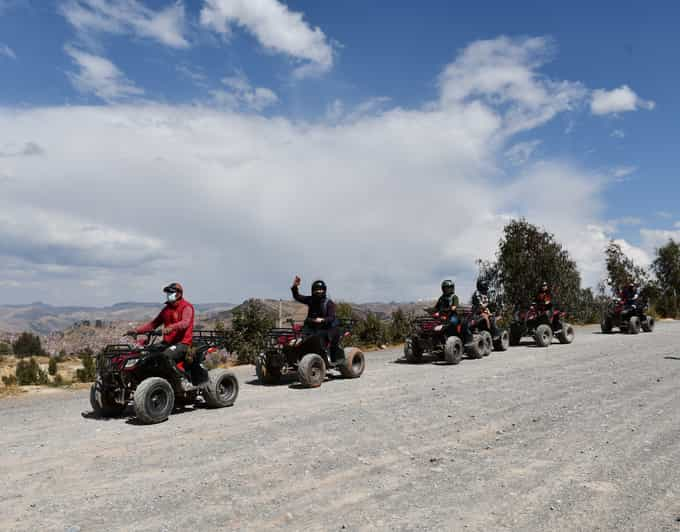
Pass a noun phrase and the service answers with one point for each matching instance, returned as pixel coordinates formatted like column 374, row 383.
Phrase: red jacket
column 179, row 318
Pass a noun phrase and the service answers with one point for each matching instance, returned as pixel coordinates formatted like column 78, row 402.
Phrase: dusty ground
column 580, row 437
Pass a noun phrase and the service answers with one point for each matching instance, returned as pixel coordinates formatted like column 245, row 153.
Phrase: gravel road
column 579, row 437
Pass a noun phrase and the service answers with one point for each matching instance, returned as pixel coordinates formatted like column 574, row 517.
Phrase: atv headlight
column 131, row 363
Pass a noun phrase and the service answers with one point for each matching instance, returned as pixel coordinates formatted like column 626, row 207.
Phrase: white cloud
column 242, row 94
column 128, row 17
column 618, row 133
column 275, row 27
column 7, row 51
column 618, row 100
column 676, row 225
column 521, row 152
column 621, row 173
column 655, row 238
column 99, row 76
column 242, row 202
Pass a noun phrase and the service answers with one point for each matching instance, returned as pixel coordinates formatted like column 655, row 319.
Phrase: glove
column 131, row 332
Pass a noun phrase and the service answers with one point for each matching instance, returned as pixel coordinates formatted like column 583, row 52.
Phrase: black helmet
column 544, row 286
column 482, row 286
column 448, row 286
column 173, row 288
column 319, row 288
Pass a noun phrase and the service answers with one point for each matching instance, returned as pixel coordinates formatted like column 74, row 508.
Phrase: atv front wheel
column 503, row 341
column 311, row 370
column 488, row 342
column 411, row 351
column 222, row 388
column 103, row 404
column 453, row 350
column 567, row 334
column 476, row 347
column 634, row 325
column 648, row 324
column 354, row 364
column 543, row 336
column 267, row 374
column 154, row 400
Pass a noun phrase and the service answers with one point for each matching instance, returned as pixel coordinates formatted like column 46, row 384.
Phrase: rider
column 544, row 297
column 321, row 320
column 448, row 304
column 629, row 294
column 177, row 320
column 480, row 307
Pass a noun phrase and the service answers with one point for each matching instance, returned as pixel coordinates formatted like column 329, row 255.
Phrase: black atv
column 297, row 350
column 477, row 324
column 143, row 375
column 628, row 318
column 432, row 334
column 542, row 325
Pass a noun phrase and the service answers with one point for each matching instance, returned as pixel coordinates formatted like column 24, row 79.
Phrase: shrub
column 250, row 323
column 9, row 380
column 29, row 372
column 5, row 349
column 52, row 366
column 88, row 371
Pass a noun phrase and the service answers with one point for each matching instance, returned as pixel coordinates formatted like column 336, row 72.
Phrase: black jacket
column 317, row 308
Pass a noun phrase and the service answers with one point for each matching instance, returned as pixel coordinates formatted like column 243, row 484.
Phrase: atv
column 297, row 350
column 143, row 375
column 432, row 334
column 541, row 324
column 629, row 318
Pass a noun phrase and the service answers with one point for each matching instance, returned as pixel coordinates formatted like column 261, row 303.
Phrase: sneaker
column 186, row 385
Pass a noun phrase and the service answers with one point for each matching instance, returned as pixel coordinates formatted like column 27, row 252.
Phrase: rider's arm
column 153, row 324
column 329, row 318
column 186, row 319
column 299, row 298
column 454, row 301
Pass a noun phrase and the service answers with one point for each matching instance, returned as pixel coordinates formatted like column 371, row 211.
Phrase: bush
column 250, row 323
column 52, row 366
column 371, row 331
column 9, row 380
column 5, row 349
column 666, row 266
column 58, row 380
column 28, row 345
column 29, row 372
column 400, row 326
column 88, row 372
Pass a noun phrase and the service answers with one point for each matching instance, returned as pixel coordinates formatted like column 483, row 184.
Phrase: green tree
column 250, row 323
column 400, row 326
column 5, row 349
column 52, row 366
column 528, row 255
column 371, row 331
column 28, row 345
column 666, row 267
column 621, row 269
column 88, row 372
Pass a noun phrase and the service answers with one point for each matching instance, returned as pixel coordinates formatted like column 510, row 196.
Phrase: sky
column 381, row 146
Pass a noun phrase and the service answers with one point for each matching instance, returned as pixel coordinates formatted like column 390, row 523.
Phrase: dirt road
column 580, row 437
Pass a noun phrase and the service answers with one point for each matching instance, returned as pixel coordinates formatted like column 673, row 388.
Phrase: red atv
column 143, row 374
column 434, row 334
column 296, row 349
column 542, row 324
column 627, row 317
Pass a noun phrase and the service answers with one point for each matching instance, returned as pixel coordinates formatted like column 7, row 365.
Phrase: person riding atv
column 627, row 312
column 447, row 304
column 177, row 321
column 321, row 320
column 543, row 299
column 482, row 319
column 542, row 320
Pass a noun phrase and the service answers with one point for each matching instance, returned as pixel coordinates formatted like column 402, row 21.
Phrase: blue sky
column 196, row 140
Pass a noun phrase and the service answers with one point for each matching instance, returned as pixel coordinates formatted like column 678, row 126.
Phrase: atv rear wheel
column 648, row 324
column 503, row 341
column 453, row 350
column 634, row 325
column 488, row 342
column 543, row 335
column 311, row 370
column 476, row 347
column 412, row 352
column 154, row 400
column 354, row 364
column 103, row 404
column 222, row 388
column 606, row 325
column 567, row 334
column 266, row 374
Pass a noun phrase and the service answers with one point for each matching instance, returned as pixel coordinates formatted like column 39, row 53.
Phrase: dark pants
column 176, row 353
column 329, row 337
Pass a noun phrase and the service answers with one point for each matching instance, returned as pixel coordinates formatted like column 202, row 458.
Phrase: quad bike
column 296, row 349
column 144, row 375
column 542, row 324
column 477, row 324
column 628, row 318
column 432, row 334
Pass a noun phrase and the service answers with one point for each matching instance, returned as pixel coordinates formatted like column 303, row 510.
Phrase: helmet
column 174, row 291
column 448, row 286
column 482, row 286
column 544, row 286
column 318, row 288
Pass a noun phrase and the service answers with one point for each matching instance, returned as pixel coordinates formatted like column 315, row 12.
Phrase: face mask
column 172, row 297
